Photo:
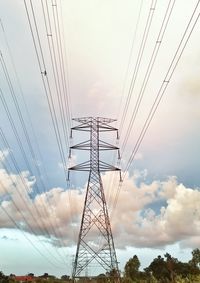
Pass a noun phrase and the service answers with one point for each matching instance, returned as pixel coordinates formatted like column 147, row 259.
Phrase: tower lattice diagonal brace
column 95, row 252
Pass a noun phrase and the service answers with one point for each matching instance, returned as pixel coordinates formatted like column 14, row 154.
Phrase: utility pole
column 95, row 241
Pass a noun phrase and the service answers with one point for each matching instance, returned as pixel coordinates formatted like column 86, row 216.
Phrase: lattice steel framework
column 95, row 242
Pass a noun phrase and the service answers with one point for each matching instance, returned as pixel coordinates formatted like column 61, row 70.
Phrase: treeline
column 165, row 269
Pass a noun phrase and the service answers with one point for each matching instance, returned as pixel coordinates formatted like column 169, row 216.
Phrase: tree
column 184, row 269
column 171, row 263
column 195, row 261
column 158, row 268
column 3, row 278
column 45, row 275
column 132, row 268
column 65, row 277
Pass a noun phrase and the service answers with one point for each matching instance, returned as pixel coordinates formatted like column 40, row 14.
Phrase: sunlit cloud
column 134, row 222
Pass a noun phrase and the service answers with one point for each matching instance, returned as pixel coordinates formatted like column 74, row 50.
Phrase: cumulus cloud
column 52, row 211
column 178, row 220
column 3, row 154
column 147, row 214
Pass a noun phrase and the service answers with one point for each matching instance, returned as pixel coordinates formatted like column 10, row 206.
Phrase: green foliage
column 159, row 269
column 131, row 269
column 165, row 269
column 195, row 261
column 3, row 278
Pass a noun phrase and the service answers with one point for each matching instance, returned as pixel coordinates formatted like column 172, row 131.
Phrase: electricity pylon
column 95, row 241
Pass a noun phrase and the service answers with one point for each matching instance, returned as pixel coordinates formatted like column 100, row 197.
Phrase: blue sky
column 161, row 189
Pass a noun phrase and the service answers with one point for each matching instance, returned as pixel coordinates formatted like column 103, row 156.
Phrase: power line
column 14, row 128
column 111, row 179
column 150, row 66
column 48, row 92
column 138, row 61
column 175, row 60
column 25, row 131
column 67, row 112
column 165, row 83
column 55, row 69
column 25, row 235
column 25, row 104
column 6, row 144
column 47, row 88
column 33, row 133
column 66, row 65
column 21, row 177
column 66, row 93
column 130, row 56
column 46, row 85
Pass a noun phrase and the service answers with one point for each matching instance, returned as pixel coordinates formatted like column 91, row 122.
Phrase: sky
column 106, row 54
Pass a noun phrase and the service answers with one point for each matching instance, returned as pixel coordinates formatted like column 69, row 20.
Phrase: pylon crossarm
column 84, row 128
column 83, row 122
column 106, row 146
column 106, row 129
column 82, row 119
column 103, row 166
column 82, row 146
column 85, row 166
column 86, row 119
column 106, row 120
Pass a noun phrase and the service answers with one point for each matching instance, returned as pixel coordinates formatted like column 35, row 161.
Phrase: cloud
column 8, row 238
column 136, row 221
column 45, row 210
column 179, row 220
column 3, row 154
column 138, row 156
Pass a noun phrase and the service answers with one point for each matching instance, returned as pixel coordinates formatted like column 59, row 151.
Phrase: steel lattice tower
column 95, row 242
